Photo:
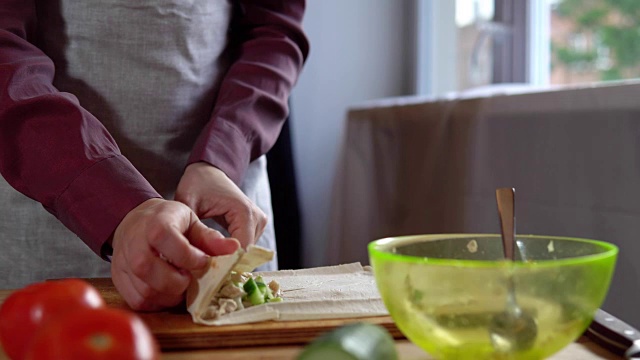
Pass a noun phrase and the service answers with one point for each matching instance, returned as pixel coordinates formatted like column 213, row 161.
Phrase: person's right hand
column 155, row 247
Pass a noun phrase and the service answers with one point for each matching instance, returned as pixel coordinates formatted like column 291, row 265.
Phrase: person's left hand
column 212, row 195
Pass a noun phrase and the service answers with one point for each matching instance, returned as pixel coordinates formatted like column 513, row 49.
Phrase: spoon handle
column 505, row 198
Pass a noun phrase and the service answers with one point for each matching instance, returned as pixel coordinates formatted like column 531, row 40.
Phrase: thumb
column 211, row 241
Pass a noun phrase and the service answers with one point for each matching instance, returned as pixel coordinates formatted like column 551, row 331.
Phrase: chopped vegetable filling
column 242, row 290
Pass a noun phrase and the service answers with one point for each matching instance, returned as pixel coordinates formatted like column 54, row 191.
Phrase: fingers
column 211, row 241
column 246, row 224
column 177, row 250
column 152, row 257
column 140, row 296
column 152, row 275
column 163, row 285
column 126, row 289
column 211, row 194
column 242, row 228
column 261, row 225
column 152, row 300
column 159, row 276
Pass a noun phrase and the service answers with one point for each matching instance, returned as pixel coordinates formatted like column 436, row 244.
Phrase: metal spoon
column 514, row 329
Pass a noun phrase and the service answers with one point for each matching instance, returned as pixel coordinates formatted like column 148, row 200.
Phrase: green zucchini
column 356, row 341
column 254, row 295
column 250, row 286
column 262, row 287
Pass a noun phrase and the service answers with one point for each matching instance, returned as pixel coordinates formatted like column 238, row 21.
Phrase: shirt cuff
column 97, row 200
column 223, row 146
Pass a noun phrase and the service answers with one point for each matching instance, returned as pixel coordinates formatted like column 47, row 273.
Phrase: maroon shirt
column 54, row 151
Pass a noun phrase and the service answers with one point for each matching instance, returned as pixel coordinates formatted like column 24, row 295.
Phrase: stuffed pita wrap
column 226, row 285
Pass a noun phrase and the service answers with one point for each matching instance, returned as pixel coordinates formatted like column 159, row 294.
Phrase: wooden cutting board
column 174, row 329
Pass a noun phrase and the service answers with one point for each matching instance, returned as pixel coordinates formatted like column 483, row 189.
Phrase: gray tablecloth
column 413, row 166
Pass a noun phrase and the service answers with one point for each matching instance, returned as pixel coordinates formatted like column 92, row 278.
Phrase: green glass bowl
column 443, row 290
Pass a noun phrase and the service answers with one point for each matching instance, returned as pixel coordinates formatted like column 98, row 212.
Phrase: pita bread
column 207, row 282
column 330, row 292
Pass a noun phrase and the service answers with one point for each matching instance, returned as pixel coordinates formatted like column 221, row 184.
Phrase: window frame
column 527, row 38
column 524, row 55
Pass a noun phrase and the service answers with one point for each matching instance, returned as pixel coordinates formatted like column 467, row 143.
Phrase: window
column 474, row 43
column 594, row 40
column 476, row 34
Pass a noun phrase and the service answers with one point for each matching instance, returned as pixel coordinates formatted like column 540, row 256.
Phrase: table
column 428, row 166
column 406, row 350
column 583, row 349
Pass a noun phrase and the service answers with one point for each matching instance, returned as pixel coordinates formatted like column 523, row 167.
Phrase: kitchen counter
column 583, row 349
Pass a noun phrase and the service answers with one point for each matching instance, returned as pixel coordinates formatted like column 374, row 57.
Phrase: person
column 133, row 124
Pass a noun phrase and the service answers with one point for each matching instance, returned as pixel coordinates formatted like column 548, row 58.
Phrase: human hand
column 212, row 195
column 155, row 247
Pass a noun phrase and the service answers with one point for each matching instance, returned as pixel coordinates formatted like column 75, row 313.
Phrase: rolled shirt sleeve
column 269, row 48
column 51, row 149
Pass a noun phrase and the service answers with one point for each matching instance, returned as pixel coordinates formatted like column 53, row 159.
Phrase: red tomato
column 25, row 310
column 104, row 333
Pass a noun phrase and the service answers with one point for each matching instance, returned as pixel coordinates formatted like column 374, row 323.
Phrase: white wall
column 360, row 50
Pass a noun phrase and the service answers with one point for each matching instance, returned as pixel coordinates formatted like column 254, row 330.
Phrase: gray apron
column 149, row 70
